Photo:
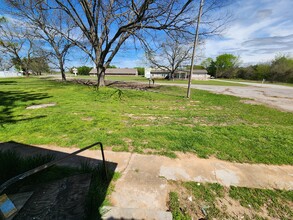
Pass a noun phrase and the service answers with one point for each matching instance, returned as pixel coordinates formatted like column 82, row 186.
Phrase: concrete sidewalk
column 188, row 167
column 144, row 180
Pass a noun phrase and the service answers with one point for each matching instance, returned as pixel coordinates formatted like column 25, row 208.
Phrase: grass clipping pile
column 212, row 201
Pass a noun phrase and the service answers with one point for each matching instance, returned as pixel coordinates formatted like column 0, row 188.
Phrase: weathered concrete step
column 134, row 213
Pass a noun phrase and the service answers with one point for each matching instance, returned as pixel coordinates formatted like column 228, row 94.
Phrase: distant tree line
column 33, row 65
column 227, row 66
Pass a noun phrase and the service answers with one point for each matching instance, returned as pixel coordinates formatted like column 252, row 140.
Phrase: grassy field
column 160, row 119
column 192, row 200
column 255, row 81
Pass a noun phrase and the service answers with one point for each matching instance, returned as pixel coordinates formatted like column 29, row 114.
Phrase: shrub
column 84, row 70
column 140, row 70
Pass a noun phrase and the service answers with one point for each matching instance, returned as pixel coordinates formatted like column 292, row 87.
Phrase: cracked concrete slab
column 141, row 186
column 144, row 182
column 188, row 167
column 144, row 179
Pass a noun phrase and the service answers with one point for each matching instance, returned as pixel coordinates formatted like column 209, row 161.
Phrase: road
column 276, row 96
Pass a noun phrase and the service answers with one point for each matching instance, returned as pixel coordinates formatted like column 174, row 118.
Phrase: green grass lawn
column 260, row 81
column 199, row 82
column 232, row 202
column 160, row 119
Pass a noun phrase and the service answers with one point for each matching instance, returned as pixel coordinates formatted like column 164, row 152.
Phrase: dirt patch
column 87, row 119
column 251, row 102
column 141, row 117
column 145, row 142
column 115, row 84
column 180, row 108
column 127, row 140
column 150, row 151
column 147, row 117
column 41, row 106
column 234, row 209
column 188, row 205
column 129, row 143
column 130, row 85
column 216, row 108
column 221, row 207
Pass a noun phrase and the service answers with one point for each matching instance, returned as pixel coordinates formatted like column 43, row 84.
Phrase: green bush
column 140, row 70
column 84, row 70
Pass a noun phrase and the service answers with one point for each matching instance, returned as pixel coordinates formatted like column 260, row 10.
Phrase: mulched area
column 115, row 84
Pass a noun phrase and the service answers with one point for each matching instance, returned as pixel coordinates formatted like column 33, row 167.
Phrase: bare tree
column 105, row 25
column 17, row 43
column 169, row 56
column 176, row 47
column 47, row 25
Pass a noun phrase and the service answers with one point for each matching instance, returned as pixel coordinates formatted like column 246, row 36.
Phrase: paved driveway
column 276, row 96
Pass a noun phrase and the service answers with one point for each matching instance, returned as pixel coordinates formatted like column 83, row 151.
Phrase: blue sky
column 259, row 30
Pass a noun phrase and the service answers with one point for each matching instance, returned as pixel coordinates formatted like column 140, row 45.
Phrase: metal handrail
column 50, row 164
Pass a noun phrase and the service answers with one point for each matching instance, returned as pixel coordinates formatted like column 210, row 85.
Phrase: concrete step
column 110, row 212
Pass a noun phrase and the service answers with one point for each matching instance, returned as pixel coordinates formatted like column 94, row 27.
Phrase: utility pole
column 194, row 46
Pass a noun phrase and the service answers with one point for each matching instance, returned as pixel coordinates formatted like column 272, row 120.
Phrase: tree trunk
column 101, row 76
column 25, row 72
column 61, row 66
column 63, row 74
column 172, row 75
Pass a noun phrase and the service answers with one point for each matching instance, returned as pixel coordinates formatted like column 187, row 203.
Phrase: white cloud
column 260, row 30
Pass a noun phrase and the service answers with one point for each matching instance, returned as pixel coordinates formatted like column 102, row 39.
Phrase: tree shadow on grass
column 7, row 82
column 9, row 100
column 16, row 158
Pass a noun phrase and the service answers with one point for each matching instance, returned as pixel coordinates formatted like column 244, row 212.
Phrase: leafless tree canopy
column 105, row 25
column 174, row 48
column 48, row 26
column 170, row 55
column 101, row 27
column 17, row 43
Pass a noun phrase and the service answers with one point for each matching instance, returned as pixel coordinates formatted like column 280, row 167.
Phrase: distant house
column 156, row 73
column 117, row 72
column 9, row 73
column 179, row 74
column 200, row 75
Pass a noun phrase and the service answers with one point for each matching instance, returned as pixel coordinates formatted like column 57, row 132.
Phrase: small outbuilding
column 198, row 74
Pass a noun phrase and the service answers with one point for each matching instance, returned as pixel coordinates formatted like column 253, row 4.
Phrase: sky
column 258, row 31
